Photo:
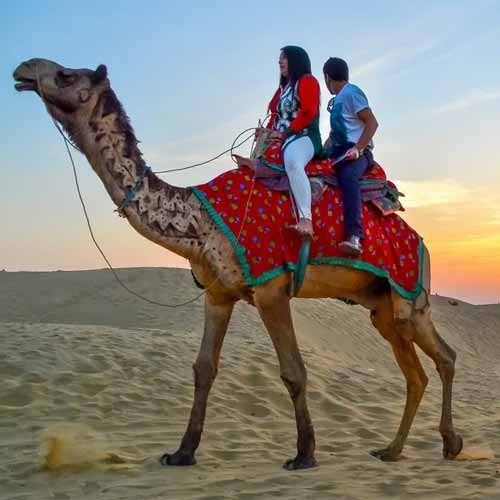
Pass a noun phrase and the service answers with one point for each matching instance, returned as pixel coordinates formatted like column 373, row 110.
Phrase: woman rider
column 294, row 120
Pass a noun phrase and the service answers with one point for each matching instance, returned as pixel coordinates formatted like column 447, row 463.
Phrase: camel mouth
column 24, row 84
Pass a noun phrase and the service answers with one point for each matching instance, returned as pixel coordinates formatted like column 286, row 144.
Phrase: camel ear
column 100, row 74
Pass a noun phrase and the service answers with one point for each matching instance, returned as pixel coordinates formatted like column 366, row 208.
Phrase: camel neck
column 165, row 214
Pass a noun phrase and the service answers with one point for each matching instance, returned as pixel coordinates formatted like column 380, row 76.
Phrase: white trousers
column 296, row 156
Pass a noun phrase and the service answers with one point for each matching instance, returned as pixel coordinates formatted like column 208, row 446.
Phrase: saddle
column 375, row 187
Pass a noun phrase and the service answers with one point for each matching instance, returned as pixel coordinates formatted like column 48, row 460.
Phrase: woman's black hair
column 299, row 64
column 336, row 69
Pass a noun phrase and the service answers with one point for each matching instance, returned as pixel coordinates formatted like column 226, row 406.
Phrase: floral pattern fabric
column 257, row 221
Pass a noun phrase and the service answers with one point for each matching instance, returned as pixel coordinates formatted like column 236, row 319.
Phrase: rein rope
column 133, row 192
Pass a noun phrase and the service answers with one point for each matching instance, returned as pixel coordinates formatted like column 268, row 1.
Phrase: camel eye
column 64, row 79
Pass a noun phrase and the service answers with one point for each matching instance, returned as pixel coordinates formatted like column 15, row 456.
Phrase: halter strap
column 133, row 192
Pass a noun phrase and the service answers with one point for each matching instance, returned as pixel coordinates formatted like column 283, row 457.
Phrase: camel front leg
column 274, row 310
column 217, row 314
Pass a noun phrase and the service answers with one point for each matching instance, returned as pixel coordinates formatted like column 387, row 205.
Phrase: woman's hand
column 277, row 136
column 259, row 131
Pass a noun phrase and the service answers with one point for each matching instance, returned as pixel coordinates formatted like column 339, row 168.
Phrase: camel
column 82, row 101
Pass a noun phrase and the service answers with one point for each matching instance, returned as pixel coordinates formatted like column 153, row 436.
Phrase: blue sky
column 192, row 74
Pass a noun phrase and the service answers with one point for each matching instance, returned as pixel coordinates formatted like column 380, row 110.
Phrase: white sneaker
column 352, row 246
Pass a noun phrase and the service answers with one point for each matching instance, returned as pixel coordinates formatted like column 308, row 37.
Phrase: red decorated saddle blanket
column 256, row 220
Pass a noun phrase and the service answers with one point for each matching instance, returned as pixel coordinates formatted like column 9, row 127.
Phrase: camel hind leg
column 414, row 322
column 428, row 339
column 416, row 379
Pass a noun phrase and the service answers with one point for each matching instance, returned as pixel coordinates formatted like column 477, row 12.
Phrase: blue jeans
column 349, row 173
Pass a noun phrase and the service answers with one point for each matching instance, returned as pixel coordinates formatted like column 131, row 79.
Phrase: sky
column 193, row 74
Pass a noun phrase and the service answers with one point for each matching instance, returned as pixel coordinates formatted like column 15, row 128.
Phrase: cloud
column 393, row 57
column 374, row 64
column 462, row 44
column 429, row 193
column 474, row 96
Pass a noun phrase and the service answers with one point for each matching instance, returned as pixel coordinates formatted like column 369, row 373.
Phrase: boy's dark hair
column 299, row 64
column 336, row 69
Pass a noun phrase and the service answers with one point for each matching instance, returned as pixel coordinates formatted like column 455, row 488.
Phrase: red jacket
column 308, row 90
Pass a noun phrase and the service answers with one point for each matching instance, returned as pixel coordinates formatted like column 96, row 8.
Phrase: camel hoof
column 300, row 462
column 178, row 458
column 452, row 447
column 386, row 455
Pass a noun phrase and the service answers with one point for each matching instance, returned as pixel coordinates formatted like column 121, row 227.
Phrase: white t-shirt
column 345, row 125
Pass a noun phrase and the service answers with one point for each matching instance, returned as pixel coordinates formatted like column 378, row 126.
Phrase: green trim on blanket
column 240, row 251
column 290, row 266
column 378, row 271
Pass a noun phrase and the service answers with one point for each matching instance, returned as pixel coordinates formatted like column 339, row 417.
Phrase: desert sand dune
column 91, row 375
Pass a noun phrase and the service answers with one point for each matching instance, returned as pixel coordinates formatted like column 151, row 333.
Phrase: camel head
column 69, row 94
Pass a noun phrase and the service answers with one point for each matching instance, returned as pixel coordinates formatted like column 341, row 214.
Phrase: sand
column 91, row 378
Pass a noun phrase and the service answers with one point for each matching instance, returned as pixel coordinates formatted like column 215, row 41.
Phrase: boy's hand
column 352, row 154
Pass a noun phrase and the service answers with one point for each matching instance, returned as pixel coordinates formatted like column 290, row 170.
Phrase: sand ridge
column 86, row 363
